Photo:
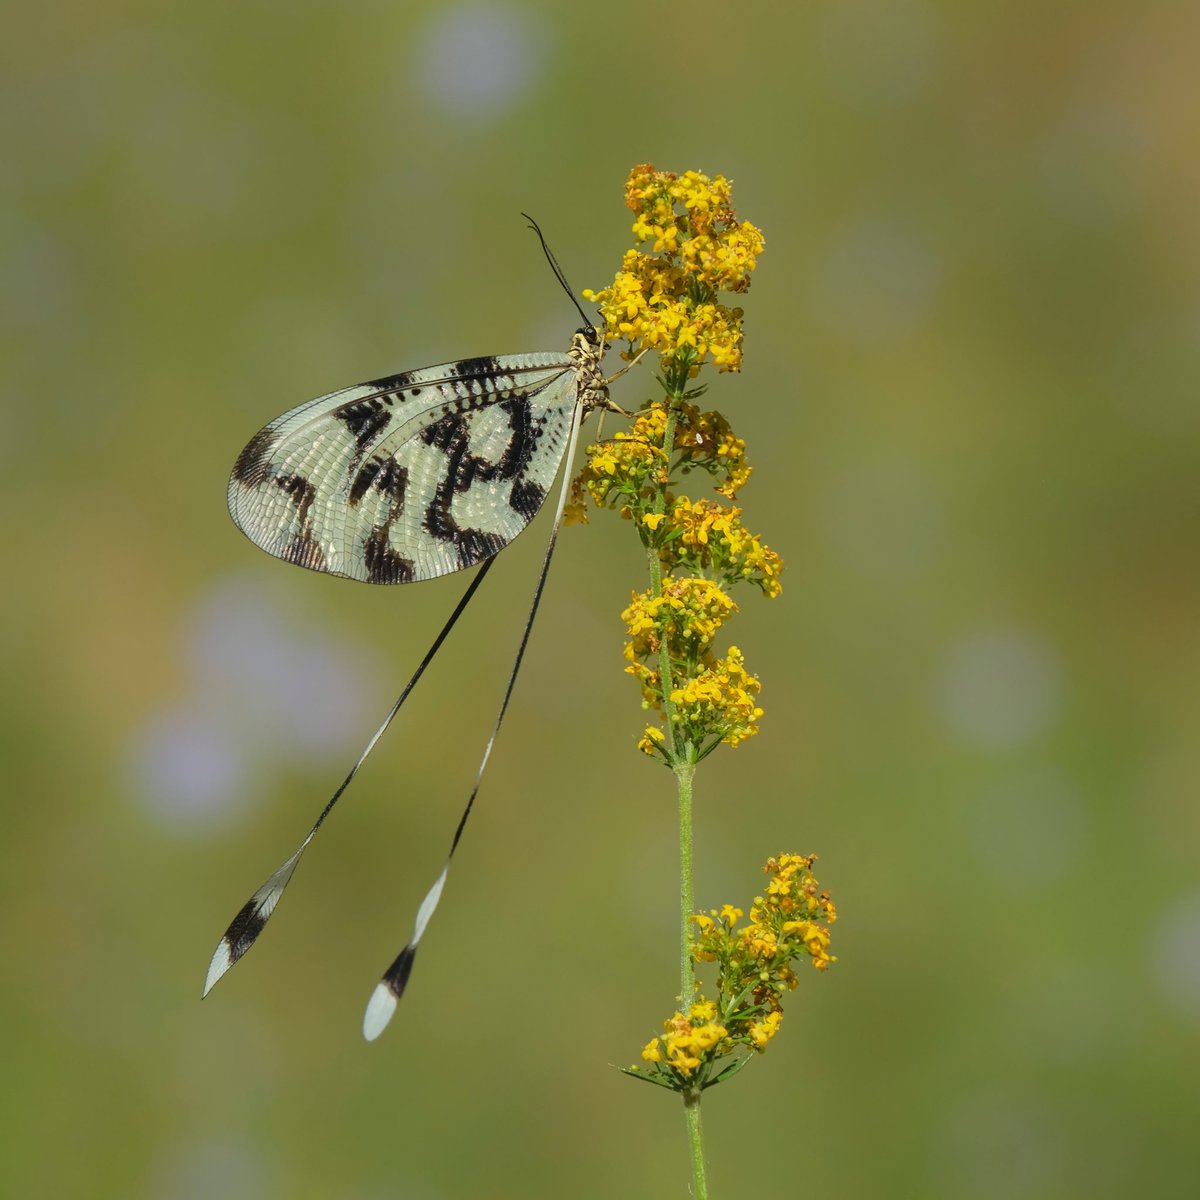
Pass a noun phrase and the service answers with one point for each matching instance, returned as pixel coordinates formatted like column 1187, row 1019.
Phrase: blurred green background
column 970, row 395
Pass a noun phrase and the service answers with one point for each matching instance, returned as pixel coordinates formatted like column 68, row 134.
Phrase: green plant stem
column 691, row 1111
column 684, row 773
column 683, row 763
column 656, row 587
column 664, row 657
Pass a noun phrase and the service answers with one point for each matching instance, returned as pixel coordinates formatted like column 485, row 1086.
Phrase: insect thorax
column 586, row 352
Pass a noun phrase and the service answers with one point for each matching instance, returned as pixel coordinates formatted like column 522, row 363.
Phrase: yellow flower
column 761, row 1032
column 652, row 740
column 760, row 942
column 689, row 1040
column 679, row 1057
column 708, row 1035
column 575, row 509
column 652, row 1051
column 816, row 941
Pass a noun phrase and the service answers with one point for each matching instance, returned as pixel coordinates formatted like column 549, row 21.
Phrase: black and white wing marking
column 412, row 476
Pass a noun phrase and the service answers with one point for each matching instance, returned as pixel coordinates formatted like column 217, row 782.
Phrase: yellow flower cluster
column 710, row 536
column 720, row 701
column 687, row 1041
column 649, row 306
column 624, row 473
column 666, row 300
column 704, row 440
column 713, row 699
column 789, row 921
column 754, row 970
column 630, row 471
column 687, row 616
column 705, row 236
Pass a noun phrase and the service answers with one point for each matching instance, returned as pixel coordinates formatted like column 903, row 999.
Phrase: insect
column 406, row 478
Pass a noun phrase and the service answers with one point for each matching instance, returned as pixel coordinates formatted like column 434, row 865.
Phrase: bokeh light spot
column 999, row 688
column 477, row 61
column 997, row 1147
column 1175, row 954
column 268, row 688
column 188, row 773
column 1091, row 167
column 290, row 686
column 232, row 1168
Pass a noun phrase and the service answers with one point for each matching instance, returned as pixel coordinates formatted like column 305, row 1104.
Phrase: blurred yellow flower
column 761, row 1032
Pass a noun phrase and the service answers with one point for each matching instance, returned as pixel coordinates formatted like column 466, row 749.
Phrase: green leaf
column 729, row 1072
column 634, row 1073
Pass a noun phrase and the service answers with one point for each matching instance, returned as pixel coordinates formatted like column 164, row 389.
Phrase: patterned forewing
column 412, row 476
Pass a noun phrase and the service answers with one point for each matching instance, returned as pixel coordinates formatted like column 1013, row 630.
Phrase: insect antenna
column 558, row 271
column 391, row 987
column 252, row 918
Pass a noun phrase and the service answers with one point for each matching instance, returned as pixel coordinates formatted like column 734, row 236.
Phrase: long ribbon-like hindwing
column 252, row 917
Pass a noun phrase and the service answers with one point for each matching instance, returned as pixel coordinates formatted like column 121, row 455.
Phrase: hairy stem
column 691, row 1111
column 683, row 763
column 656, row 585
column 664, row 657
column 684, row 773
